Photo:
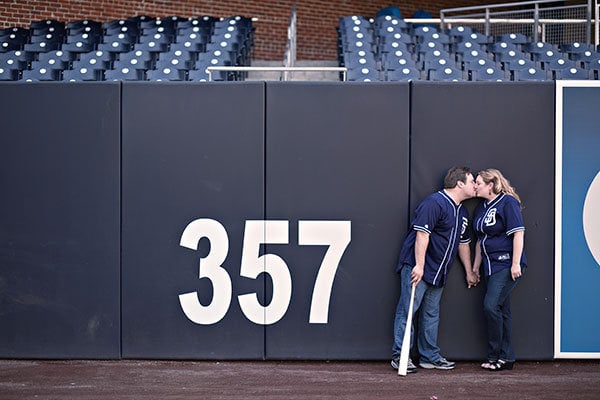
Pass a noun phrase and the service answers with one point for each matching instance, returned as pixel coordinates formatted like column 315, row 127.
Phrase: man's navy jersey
column 446, row 224
column 494, row 225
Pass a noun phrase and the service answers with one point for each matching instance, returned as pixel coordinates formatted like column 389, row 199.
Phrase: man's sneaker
column 409, row 370
column 442, row 363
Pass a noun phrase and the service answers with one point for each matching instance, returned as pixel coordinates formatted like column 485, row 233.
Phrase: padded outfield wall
column 252, row 220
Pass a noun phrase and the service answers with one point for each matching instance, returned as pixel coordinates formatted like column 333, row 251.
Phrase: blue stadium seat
column 14, row 60
column 531, row 74
column 64, row 56
column 363, row 75
column 82, row 74
column 98, row 55
column 446, row 74
column 403, row 74
column 572, row 73
column 515, row 38
column 124, row 74
column 42, row 74
column 489, row 74
column 460, row 31
column 9, row 74
column 559, row 63
column 165, row 74
column 520, row 63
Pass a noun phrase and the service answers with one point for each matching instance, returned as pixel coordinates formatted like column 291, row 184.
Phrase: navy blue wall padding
column 59, row 221
column 509, row 126
column 99, row 182
column 339, row 152
column 189, row 151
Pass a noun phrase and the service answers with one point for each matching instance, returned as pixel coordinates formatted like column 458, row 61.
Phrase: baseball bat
column 405, row 351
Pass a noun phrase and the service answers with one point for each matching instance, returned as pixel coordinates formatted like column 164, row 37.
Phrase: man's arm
column 421, row 243
column 464, row 253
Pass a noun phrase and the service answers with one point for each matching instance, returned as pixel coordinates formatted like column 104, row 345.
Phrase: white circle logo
column 591, row 218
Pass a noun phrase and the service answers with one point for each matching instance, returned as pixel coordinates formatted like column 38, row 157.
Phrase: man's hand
column 472, row 278
column 417, row 274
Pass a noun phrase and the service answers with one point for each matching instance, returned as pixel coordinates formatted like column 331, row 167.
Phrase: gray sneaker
column 442, row 363
column 409, row 370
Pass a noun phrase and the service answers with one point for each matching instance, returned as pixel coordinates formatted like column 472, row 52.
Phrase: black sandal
column 501, row 365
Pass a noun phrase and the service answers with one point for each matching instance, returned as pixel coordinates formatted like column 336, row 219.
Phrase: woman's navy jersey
column 495, row 222
column 446, row 224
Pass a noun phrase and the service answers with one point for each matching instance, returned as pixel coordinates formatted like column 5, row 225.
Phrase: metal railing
column 539, row 20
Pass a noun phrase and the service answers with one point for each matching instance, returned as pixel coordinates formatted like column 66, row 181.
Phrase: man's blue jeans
column 496, row 307
column 427, row 301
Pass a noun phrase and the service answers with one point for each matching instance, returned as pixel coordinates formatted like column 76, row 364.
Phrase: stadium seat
column 49, row 64
column 64, row 56
column 473, row 56
column 530, row 74
column 559, row 63
column 403, row 74
column 9, row 74
column 479, row 63
column 81, row 74
column 363, row 75
column 174, row 63
column 477, row 37
column 439, row 64
column 42, row 74
column 572, row 73
column 93, row 64
column 124, row 74
column 515, row 38
column 466, row 46
column 547, row 56
column 520, row 63
column 540, row 47
column 460, row 31
column 138, row 54
column 165, row 74
column 98, row 55
column 446, row 74
column 14, row 60
column 489, row 74
column 197, row 75
column 503, row 47
column 191, row 42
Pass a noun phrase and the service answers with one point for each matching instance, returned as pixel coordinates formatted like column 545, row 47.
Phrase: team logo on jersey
column 490, row 217
column 465, row 224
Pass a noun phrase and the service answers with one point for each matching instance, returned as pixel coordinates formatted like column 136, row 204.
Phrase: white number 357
column 335, row 234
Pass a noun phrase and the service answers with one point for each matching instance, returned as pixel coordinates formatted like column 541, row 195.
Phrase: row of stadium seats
column 389, row 49
column 137, row 48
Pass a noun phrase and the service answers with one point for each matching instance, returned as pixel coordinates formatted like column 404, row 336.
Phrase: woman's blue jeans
column 427, row 302
column 496, row 307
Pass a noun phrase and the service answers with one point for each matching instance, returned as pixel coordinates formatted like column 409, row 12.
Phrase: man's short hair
column 454, row 175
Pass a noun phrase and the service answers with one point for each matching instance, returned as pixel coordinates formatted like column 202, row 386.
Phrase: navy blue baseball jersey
column 495, row 222
column 446, row 224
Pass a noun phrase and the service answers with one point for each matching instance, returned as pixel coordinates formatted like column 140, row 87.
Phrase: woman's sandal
column 501, row 365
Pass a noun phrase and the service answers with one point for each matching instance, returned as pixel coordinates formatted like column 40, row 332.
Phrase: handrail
column 210, row 69
column 536, row 21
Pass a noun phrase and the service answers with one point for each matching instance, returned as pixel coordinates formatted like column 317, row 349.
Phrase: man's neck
column 454, row 195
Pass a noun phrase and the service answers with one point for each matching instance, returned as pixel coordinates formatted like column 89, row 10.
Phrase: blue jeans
column 496, row 307
column 427, row 301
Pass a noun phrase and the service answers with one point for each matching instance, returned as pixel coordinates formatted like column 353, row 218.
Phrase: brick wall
column 317, row 19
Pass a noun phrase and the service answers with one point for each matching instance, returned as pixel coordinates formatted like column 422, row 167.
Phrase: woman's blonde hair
column 501, row 184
